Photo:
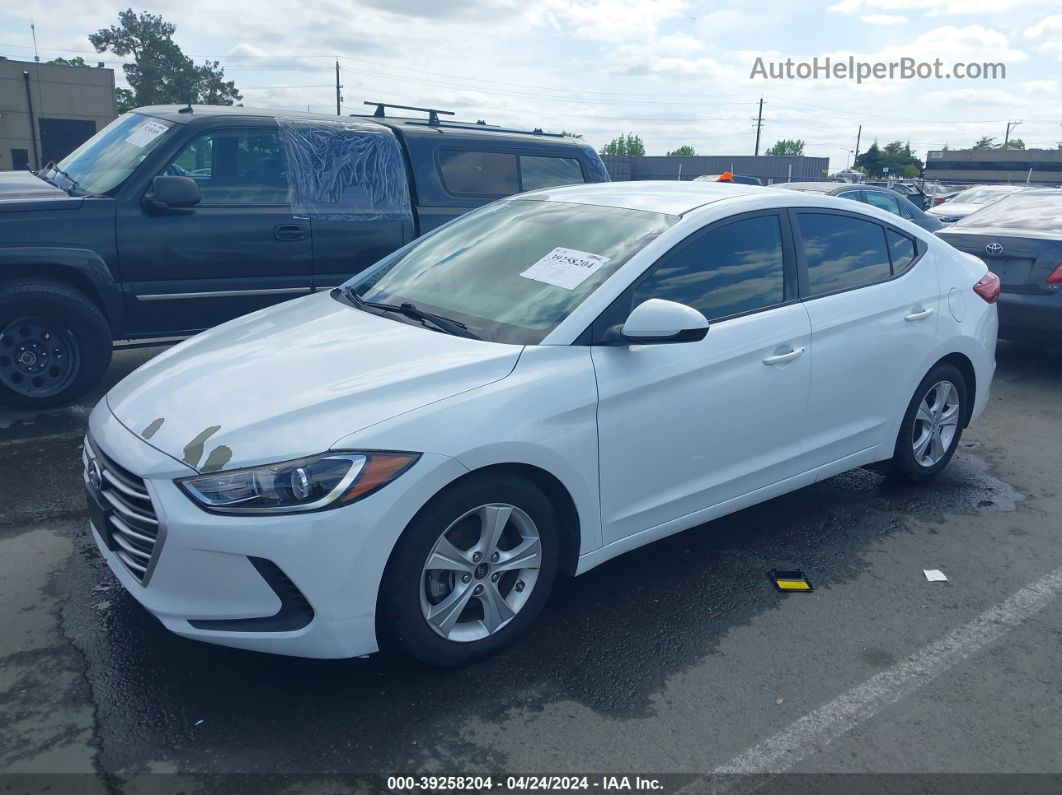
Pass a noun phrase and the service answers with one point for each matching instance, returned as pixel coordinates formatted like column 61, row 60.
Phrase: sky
column 673, row 71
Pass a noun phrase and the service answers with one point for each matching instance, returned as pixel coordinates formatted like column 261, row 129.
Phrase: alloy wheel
column 936, row 423
column 480, row 572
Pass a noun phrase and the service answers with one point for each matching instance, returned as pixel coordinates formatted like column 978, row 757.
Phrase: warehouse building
column 48, row 110
column 767, row 169
column 1034, row 166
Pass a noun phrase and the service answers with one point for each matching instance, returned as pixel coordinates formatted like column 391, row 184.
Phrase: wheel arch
column 963, row 364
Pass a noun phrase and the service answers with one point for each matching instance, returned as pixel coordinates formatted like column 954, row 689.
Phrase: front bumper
column 1030, row 318
column 214, row 578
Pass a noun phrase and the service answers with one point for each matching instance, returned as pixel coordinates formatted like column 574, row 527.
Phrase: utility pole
column 1006, row 136
column 759, row 125
column 339, row 97
column 858, row 136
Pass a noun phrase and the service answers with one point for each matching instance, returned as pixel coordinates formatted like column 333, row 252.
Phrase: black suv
column 174, row 219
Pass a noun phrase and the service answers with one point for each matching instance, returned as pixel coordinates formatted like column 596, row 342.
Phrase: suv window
column 236, row 166
column 842, row 252
column 478, row 173
column 725, row 271
column 884, row 201
column 548, row 172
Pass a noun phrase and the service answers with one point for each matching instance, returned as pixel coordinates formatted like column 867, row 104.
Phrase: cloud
column 1049, row 29
column 608, row 20
column 883, row 19
column 931, row 7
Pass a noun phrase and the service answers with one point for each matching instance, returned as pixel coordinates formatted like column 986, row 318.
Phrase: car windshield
column 1040, row 212
column 513, row 270
column 106, row 159
column 981, row 195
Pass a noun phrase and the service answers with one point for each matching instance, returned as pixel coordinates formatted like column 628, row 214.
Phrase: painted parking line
column 816, row 730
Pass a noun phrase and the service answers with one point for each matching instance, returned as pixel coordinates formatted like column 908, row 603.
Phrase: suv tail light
column 988, row 287
column 1056, row 275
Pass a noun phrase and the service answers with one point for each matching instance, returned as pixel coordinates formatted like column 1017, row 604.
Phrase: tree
column 567, row 134
column 77, row 61
column 683, row 151
column 794, row 147
column 1015, row 143
column 870, row 160
column 896, row 156
column 160, row 73
column 984, row 144
column 629, row 144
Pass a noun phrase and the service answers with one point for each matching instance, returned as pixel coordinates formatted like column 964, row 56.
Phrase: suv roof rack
column 433, row 120
column 433, row 113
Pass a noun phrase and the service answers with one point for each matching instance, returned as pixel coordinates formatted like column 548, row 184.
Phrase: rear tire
column 496, row 590
column 932, row 425
column 55, row 344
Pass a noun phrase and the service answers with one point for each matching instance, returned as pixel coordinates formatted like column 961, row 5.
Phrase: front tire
column 932, row 426
column 471, row 572
column 55, row 344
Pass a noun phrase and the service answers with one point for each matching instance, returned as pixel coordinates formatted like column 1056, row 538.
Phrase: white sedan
column 536, row 387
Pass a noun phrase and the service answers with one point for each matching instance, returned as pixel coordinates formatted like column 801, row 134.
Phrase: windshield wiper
column 56, row 170
column 446, row 324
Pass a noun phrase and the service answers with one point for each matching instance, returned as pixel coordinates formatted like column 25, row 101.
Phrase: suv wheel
column 471, row 572
column 55, row 344
column 932, row 426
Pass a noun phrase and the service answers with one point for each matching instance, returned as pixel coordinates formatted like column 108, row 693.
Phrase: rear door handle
column 913, row 316
column 782, row 358
column 289, row 232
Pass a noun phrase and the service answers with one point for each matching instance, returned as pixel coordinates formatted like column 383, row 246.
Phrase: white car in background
column 536, row 387
column 970, row 201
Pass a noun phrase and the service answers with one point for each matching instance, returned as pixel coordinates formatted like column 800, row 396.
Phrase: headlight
column 329, row 480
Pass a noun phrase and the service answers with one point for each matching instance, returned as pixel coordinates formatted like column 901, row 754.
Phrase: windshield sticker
column 146, row 133
column 565, row 267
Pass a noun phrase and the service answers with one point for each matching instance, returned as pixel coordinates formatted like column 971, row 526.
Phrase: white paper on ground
column 146, row 133
column 565, row 267
column 934, row 575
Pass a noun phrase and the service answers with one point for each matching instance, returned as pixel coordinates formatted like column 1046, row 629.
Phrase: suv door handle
column 910, row 318
column 782, row 358
column 289, row 232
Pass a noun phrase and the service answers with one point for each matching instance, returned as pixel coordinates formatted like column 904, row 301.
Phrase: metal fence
column 622, row 168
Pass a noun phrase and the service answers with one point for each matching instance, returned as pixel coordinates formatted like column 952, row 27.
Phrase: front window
column 513, row 270
column 107, row 159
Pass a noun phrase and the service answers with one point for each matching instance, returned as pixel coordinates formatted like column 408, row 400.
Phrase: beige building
column 61, row 105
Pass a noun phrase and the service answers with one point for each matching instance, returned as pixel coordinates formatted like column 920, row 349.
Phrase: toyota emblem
column 995, row 249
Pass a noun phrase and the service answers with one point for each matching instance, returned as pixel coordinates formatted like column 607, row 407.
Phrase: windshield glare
column 513, row 270
column 1040, row 212
column 106, row 159
column 981, row 195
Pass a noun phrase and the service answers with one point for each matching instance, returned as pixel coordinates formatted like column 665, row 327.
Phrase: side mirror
column 656, row 321
column 172, row 193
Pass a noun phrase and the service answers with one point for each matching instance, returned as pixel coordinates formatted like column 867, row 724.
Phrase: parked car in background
column 540, row 386
column 173, row 219
column 971, row 200
column 1020, row 238
column 944, row 195
column 881, row 198
column 728, row 177
column 909, row 190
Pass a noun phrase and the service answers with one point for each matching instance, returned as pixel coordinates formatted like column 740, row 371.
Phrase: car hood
column 292, row 379
column 22, row 190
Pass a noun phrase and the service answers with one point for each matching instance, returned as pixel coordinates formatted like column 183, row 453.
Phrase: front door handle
column 782, row 358
column 289, row 232
column 918, row 315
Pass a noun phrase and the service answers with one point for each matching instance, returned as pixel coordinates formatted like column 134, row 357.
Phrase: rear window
column 842, row 252
column 1035, row 212
column 901, row 249
column 479, row 173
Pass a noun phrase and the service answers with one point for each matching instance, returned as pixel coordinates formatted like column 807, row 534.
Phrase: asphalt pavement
column 676, row 658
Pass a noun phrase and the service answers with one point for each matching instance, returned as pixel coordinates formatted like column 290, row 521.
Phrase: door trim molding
column 223, row 293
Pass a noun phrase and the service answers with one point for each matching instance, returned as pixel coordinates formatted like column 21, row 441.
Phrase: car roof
column 818, row 187
column 657, row 196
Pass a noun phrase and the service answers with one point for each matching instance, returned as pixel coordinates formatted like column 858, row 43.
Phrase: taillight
column 1056, row 275
column 938, row 200
column 988, row 287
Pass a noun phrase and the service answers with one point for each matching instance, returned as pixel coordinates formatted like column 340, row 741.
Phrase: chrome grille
column 132, row 528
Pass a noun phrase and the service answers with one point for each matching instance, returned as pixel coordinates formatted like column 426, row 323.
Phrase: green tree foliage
column 794, row 147
column 1015, row 143
column 683, row 151
column 629, row 144
column 897, row 157
column 160, row 73
column 78, row 61
column 985, row 143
